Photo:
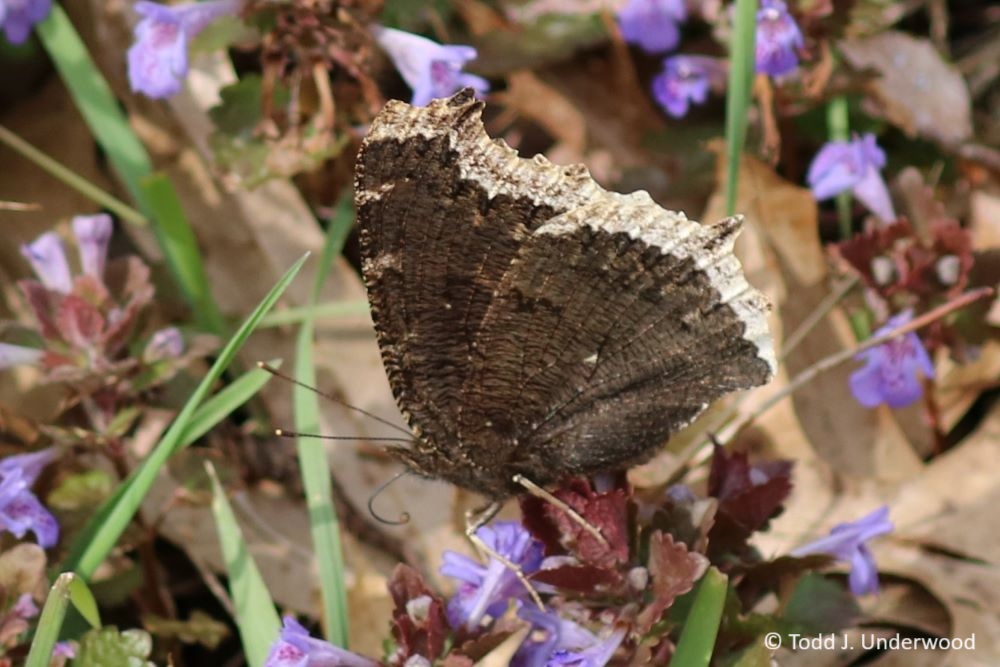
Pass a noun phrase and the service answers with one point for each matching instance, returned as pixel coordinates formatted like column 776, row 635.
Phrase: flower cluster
column 893, row 370
column 20, row 509
column 852, row 165
column 778, row 39
column 654, row 26
column 87, row 320
column 848, row 542
column 18, row 17
column 158, row 61
column 430, row 69
column 604, row 600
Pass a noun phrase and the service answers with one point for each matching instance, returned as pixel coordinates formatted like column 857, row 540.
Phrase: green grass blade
column 67, row 588
column 71, row 179
column 109, row 125
column 219, row 406
column 332, row 310
column 127, row 503
column 738, row 93
column 210, row 413
column 256, row 619
column 694, row 649
column 180, row 247
column 94, row 99
column 839, row 129
column 323, row 522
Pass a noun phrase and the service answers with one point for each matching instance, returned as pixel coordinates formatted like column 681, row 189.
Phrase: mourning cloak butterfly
column 531, row 322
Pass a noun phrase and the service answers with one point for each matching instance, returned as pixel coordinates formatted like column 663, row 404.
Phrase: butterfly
column 533, row 325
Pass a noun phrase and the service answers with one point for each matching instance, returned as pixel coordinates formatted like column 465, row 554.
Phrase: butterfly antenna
column 330, row 397
column 284, row 433
column 404, row 517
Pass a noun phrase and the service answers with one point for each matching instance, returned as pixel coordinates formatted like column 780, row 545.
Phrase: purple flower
column 556, row 641
column 157, row 62
column 64, row 650
column 48, row 259
column 684, row 79
column 93, row 233
column 652, row 24
column 295, row 648
column 852, row 165
column 166, row 343
column 20, row 510
column 778, row 38
column 433, row 71
column 29, row 465
column 25, row 607
column 891, row 371
column 18, row 17
column 487, row 589
column 14, row 355
column 846, row 542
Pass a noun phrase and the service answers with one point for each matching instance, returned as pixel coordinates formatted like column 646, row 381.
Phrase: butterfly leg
column 476, row 519
column 539, row 492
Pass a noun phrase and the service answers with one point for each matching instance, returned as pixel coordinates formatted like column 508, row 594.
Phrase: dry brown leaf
column 984, row 220
column 916, row 90
column 542, row 103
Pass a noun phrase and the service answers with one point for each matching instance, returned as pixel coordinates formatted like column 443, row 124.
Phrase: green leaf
column 199, row 628
column 694, row 649
column 95, row 542
column 256, row 618
column 742, row 62
column 67, row 588
column 819, row 605
column 331, row 310
column 154, row 195
column 839, row 126
column 315, row 469
column 180, row 247
column 108, row 646
column 219, row 406
column 81, row 491
column 214, row 410
column 94, row 99
column 239, row 111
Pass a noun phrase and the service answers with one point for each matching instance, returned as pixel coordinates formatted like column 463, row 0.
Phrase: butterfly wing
column 531, row 321
column 616, row 325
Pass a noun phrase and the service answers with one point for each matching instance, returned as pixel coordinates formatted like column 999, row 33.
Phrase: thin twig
column 818, row 313
column 838, row 358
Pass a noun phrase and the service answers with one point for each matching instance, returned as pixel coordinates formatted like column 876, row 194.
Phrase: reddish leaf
column 135, row 294
column 607, row 511
column 749, row 495
column 673, row 571
column 579, row 578
column 43, row 304
column 80, row 323
column 418, row 619
column 862, row 250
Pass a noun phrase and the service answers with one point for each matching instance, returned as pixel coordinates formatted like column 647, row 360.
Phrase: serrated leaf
column 108, row 646
column 199, row 628
column 81, row 491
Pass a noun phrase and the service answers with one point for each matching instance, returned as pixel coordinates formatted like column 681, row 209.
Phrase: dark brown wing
column 521, row 308
column 616, row 325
